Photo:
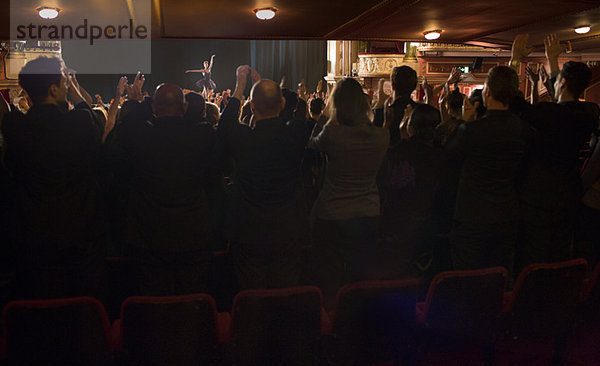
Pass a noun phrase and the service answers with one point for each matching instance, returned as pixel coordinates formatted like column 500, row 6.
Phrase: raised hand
column 532, row 74
column 552, row 46
column 320, row 86
column 282, row 82
column 543, row 74
column 469, row 111
column 74, row 94
column 519, row 48
column 255, row 76
column 121, row 86
column 381, row 97
column 454, row 76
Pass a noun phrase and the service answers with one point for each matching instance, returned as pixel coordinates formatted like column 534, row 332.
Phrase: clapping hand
column 519, row 48
column 469, row 111
column 532, row 74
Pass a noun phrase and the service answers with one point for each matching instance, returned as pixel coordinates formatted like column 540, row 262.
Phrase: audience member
column 347, row 209
column 58, row 223
column 172, row 172
column 268, row 216
column 551, row 190
column 487, row 208
column 404, row 82
column 409, row 180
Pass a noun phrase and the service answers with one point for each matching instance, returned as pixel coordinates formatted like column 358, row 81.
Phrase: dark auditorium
column 319, row 183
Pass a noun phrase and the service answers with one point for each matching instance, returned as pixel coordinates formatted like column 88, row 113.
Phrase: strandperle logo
column 81, row 32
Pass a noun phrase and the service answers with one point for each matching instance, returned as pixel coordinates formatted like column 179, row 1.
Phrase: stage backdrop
column 297, row 60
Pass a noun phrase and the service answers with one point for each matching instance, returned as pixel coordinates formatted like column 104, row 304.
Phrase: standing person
column 172, row 174
column 486, row 217
column 206, row 83
column 268, row 217
column 551, row 189
column 58, row 223
column 347, row 209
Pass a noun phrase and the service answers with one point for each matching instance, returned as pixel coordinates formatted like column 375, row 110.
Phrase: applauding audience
column 164, row 180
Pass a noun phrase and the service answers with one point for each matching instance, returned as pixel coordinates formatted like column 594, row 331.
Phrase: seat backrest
column 169, row 330
column 466, row 303
column 276, row 327
column 373, row 321
column 545, row 298
column 73, row 331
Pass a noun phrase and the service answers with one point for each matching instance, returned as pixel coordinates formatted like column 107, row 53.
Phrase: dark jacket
column 54, row 157
column 493, row 148
column 267, row 203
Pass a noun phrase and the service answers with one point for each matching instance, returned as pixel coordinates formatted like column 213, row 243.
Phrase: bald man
column 170, row 164
column 269, row 215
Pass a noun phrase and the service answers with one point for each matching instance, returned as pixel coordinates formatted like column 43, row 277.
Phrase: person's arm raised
column 533, row 77
column 230, row 115
column 114, row 108
column 553, row 49
column 519, row 51
column 212, row 58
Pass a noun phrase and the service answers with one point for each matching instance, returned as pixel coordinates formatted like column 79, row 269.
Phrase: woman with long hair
column 347, row 209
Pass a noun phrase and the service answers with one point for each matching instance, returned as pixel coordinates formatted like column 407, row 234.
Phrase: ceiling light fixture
column 265, row 13
column 583, row 29
column 47, row 12
column 434, row 34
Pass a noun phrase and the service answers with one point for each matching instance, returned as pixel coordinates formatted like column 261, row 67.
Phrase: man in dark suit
column 268, row 213
column 172, row 170
column 57, row 224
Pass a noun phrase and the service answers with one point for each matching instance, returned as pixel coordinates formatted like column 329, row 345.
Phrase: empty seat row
column 467, row 318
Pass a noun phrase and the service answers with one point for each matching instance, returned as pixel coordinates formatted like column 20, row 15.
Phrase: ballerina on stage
column 206, row 83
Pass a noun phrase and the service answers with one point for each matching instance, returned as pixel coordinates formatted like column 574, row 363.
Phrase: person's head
column 169, row 101
column 44, row 81
column 212, row 113
column 349, row 102
column 196, row 106
column 572, row 80
column 316, row 107
column 500, row 88
column 404, row 80
column 423, row 121
column 301, row 111
column 455, row 103
column 266, row 99
column 477, row 96
column 205, row 64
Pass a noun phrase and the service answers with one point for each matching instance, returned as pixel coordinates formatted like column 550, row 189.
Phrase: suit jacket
column 268, row 209
column 54, row 156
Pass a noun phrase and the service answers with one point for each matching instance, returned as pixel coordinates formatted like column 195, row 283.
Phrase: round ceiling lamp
column 265, row 13
column 434, row 34
column 583, row 29
column 47, row 12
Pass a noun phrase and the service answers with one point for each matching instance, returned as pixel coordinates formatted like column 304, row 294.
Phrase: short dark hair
column 349, row 101
column 503, row 83
column 577, row 76
column 477, row 96
column 316, row 106
column 196, row 106
column 423, row 121
column 455, row 101
column 38, row 75
column 404, row 80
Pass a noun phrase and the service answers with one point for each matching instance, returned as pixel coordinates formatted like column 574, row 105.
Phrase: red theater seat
column 372, row 322
column 539, row 312
column 74, row 331
column 170, row 330
column 277, row 327
column 460, row 315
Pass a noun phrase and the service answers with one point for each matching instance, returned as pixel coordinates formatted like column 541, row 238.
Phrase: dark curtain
column 297, row 60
